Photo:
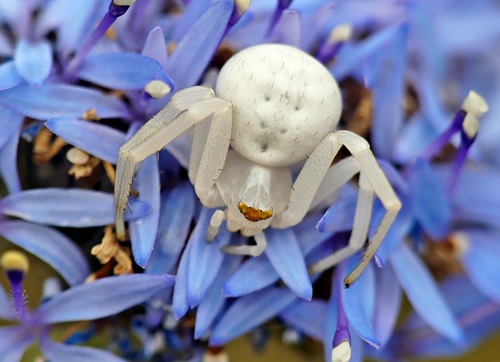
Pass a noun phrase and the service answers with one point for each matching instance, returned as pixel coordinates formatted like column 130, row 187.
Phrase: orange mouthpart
column 252, row 214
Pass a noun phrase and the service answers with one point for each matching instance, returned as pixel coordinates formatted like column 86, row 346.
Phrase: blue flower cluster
column 81, row 77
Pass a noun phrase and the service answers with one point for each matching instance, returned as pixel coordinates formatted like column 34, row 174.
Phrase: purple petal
column 387, row 303
column 192, row 12
column 9, row 77
column 195, row 50
column 155, row 46
column 359, row 304
column 339, row 216
column 423, row 292
column 6, row 311
column 205, row 258
column 249, row 312
column 103, row 297
column 96, row 139
column 125, row 71
column 481, row 260
column 213, row 302
column 33, row 61
column 66, row 207
column 49, row 245
column 8, row 152
column 180, row 304
column 72, row 101
column 413, row 138
column 143, row 230
column 330, row 325
column 287, row 30
column 176, row 214
column 284, row 253
column 13, row 342
column 5, row 45
column 308, row 317
column 64, row 352
column 428, row 200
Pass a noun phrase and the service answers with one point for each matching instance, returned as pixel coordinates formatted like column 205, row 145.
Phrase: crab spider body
column 274, row 106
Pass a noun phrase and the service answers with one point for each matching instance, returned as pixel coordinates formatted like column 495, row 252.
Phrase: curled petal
column 49, row 245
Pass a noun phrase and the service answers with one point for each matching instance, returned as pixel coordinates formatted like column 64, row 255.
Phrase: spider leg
column 169, row 123
column 252, row 250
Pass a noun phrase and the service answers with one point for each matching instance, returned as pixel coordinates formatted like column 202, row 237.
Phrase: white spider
column 273, row 106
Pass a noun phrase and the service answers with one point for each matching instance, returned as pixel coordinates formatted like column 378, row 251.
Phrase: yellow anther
column 252, row 214
column 15, row 260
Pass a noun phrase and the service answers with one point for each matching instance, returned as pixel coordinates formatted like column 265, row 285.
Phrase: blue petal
column 308, row 317
column 284, row 253
column 387, row 303
column 423, row 293
column 205, row 258
column 33, row 61
column 9, row 77
column 10, row 121
column 155, row 47
column 413, row 138
column 481, row 261
column 103, row 297
column 72, row 101
column 143, row 230
column 5, row 45
column 192, row 12
column 254, row 274
column 49, row 245
column 6, row 310
column 340, row 216
column 176, row 214
column 8, row 152
column 125, row 71
column 359, row 303
column 249, row 312
column 287, row 30
column 96, row 139
column 64, row 352
column 308, row 236
column 180, row 304
column 66, row 207
column 214, row 301
column 13, row 342
column 428, row 200
column 195, row 50
column 330, row 325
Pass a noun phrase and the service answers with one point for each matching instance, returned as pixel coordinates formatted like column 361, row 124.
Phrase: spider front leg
column 311, row 179
column 187, row 108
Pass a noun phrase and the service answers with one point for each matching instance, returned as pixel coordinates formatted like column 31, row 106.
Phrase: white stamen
column 342, row 353
column 77, row 156
column 242, row 5
column 460, row 242
column 123, row 2
column 475, row 104
column 470, row 125
column 340, row 33
column 157, row 89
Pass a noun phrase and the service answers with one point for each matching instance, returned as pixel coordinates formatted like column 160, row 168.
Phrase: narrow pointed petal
column 339, row 216
column 8, row 152
column 96, row 139
column 423, row 293
column 9, row 77
column 330, row 325
column 103, row 297
column 205, row 258
column 33, row 61
column 64, row 352
column 284, row 253
column 428, row 200
column 413, row 138
column 72, row 101
column 176, row 214
column 49, row 245
column 248, row 312
column 481, row 261
column 126, row 71
column 192, row 12
column 194, row 51
column 143, row 230
column 308, row 317
column 387, row 303
column 155, row 46
column 359, row 304
column 14, row 341
column 180, row 304
column 213, row 302
column 66, row 207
